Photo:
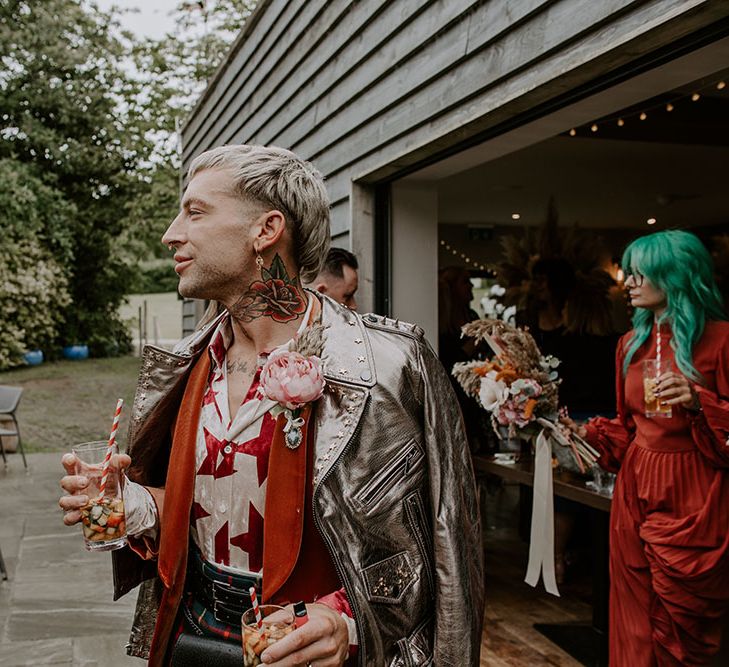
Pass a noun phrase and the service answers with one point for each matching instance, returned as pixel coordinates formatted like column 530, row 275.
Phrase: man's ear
column 321, row 288
column 268, row 229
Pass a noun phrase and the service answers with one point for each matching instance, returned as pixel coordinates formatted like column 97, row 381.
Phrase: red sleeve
column 337, row 601
column 710, row 424
column 611, row 437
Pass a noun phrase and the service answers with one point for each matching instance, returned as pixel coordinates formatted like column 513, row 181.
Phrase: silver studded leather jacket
column 394, row 493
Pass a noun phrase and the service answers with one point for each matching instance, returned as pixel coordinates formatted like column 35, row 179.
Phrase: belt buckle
column 224, row 614
column 226, row 594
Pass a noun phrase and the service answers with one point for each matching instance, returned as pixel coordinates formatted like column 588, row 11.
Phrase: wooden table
column 586, row 642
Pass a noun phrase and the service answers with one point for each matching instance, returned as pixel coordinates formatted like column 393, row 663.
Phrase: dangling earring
column 170, row 247
column 259, row 261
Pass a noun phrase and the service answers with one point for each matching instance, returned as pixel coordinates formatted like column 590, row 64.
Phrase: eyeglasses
column 637, row 278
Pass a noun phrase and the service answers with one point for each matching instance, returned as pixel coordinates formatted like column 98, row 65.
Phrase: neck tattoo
column 275, row 295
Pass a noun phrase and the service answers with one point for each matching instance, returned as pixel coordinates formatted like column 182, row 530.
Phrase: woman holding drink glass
column 669, row 525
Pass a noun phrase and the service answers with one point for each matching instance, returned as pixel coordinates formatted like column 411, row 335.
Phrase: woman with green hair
column 669, row 525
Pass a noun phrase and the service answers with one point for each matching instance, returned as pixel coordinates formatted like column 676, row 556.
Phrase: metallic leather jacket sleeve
column 394, row 493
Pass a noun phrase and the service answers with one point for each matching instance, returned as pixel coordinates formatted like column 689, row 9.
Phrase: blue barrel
column 76, row 352
column 33, row 357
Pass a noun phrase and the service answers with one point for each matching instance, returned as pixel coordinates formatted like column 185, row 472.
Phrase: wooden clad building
column 389, row 97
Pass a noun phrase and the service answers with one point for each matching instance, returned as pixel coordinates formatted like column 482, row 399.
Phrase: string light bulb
column 468, row 260
column 573, row 132
column 515, row 216
column 594, row 127
column 651, row 221
column 721, row 85
column 669, row 107
column 695, row 97
column 621, row 122
column 643, row 115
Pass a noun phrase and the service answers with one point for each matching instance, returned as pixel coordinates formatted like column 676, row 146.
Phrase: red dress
column 669, row 525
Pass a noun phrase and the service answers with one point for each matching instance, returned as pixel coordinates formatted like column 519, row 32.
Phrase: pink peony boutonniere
column 293, row 378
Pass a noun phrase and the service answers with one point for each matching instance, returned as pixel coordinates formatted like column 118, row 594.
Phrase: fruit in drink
column 255, row 640
column 103, row 519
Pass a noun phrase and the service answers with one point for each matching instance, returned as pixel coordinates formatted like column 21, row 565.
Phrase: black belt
column 227, row 600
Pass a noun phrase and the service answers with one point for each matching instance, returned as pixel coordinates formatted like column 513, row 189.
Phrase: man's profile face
column 211, row 235
column 343, row 289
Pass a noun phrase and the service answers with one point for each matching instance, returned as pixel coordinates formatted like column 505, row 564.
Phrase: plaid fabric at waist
column 216, row 599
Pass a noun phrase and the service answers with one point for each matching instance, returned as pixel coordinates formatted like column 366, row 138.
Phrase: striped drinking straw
column 110, row 447
column 254, row 604
column 658, row 351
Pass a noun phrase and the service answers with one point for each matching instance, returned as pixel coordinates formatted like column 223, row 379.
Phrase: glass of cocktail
column 654, row 407
column 102, row 518
column 276, row 623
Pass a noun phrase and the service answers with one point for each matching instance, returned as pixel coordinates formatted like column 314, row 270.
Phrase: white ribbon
column 541, row 541
column 293, row 423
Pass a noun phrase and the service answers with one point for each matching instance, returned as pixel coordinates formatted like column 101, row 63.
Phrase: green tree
column 34, row 222
column 72, row 112
column 177, row 68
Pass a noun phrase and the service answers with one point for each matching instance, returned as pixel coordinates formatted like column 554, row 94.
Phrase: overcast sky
column 152, row 19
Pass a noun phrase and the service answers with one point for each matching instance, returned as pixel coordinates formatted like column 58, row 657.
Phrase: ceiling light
column 695, row 97
column 515, row 216
column 651, row 221
column 643, row 115
column 721, row 85
column 669, row 107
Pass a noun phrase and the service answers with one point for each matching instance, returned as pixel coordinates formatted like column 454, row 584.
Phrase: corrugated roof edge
column 250, row 23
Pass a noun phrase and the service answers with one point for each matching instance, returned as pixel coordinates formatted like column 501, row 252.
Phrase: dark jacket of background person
column 455, row 294
column 395, row 501
column 586, row 352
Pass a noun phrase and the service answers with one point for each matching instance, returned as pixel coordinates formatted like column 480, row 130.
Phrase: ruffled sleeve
column 710, row 424
column 611, row 437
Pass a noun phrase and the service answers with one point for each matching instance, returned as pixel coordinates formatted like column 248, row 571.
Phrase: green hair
column 678, row 264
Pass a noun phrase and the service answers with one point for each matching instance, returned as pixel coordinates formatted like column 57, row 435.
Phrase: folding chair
column 9, row 399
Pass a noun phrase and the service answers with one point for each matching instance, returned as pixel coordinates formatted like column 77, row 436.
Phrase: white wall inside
column 414, row 278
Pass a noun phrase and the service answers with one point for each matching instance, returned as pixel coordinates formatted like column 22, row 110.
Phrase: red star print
column 216, row 448
column 222, row 548
column 198, row 511
column 209, row 398
column 260, row 446
column 252, row 541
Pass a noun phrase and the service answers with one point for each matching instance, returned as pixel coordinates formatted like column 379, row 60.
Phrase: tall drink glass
column 103, row 519
column 277, row 623
column 653, row 406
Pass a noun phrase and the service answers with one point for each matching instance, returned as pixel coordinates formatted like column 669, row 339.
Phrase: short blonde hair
column 280, row 179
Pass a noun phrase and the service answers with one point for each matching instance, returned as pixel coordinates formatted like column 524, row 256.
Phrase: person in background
column 339, row 475
column 558, row 318
column 669, row 524
column 338, row 278
column 455, row 293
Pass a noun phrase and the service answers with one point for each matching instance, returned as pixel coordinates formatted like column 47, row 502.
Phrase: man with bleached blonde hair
column 355, row 496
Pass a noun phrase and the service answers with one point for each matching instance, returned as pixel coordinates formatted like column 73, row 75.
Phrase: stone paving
column 56, row 608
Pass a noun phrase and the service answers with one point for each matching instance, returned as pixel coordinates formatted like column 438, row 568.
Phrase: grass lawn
column 68, row 402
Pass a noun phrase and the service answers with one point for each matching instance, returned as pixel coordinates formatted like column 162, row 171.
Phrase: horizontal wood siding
column 365, row 87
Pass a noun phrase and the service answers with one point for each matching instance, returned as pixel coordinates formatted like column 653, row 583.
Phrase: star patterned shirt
column 231, row 456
